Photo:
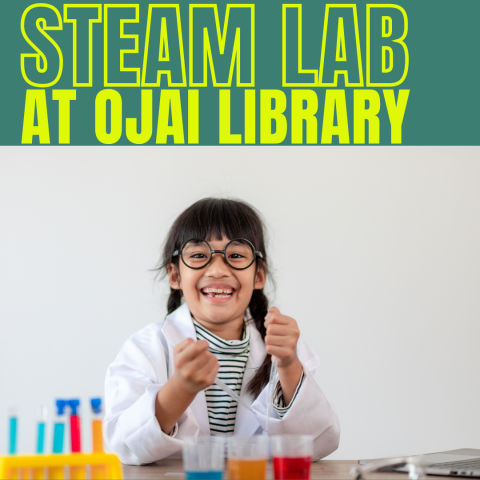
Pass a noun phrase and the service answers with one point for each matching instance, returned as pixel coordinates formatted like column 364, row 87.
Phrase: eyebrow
column 193, row 244
column 239, row 243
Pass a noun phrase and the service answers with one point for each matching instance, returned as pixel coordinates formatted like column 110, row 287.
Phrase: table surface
column 328, row 469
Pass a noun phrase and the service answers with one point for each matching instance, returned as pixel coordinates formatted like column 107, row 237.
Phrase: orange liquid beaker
column 247, row 468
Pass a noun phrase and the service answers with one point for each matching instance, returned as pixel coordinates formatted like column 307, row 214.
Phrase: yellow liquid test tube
column 97, row 472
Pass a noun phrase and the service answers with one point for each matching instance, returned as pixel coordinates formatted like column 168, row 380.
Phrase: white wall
column 386, row 288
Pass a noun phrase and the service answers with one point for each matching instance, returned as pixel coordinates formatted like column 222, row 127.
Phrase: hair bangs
column 216, row 219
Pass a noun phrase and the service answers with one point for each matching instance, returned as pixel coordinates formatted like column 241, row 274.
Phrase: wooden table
column 328, row 469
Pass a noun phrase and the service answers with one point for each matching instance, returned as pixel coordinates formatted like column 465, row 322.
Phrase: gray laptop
column 464, row 462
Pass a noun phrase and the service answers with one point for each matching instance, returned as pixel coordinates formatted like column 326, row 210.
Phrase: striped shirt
column 232, row 356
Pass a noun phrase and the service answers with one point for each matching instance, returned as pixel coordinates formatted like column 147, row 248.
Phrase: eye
column 236, row 255
column 198, row 255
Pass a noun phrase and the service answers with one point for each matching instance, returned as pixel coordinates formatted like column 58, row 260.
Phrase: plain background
column 375, row 252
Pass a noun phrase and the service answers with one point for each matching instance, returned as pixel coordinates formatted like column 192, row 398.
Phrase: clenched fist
column 282, row 337
column 195, row 367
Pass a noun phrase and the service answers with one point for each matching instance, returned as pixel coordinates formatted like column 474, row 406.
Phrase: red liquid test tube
column 75, row 435
column 76, row 472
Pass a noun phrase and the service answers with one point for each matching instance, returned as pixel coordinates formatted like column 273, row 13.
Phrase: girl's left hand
column 282, row 337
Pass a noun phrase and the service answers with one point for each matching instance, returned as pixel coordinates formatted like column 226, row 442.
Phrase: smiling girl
column 160, row 388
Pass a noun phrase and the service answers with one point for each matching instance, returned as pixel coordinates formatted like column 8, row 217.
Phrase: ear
column 260, row 278
column 174, row 276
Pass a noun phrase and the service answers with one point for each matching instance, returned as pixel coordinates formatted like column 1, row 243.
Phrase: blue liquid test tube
column 42, row 420
column 12, row 414
column 59, row 426
column 58, row 438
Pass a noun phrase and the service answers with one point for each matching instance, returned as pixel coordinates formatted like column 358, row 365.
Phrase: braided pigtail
column 174, row 300
column 258, row 309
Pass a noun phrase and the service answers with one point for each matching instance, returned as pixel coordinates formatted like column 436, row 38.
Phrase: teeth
column 217, row 290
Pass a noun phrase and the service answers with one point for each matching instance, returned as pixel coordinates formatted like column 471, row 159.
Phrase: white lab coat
column 145, row 363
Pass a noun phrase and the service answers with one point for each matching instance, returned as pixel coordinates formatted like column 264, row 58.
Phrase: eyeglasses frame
column 256, row 253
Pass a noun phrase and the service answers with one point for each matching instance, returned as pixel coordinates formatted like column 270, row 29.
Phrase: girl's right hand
column 195, row 367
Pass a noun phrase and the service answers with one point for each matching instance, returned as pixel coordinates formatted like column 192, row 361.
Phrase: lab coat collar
column 177, row 327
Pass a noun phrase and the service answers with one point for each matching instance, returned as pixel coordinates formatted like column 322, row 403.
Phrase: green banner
column 264, row 73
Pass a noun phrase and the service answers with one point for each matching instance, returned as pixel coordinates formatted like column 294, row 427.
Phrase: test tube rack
column 73, row 466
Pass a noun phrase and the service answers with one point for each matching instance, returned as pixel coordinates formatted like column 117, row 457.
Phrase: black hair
column 215, row 218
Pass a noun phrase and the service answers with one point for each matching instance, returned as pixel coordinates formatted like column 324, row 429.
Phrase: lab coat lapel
column 177, row 327
column 246, row 423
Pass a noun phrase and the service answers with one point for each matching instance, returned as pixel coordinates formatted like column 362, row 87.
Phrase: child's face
column 214, row 307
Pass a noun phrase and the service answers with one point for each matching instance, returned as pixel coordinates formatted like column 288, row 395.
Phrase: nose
column 217, row 267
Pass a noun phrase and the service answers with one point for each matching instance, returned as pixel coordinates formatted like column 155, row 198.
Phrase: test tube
column 59, row 426
column 42, row 420
column 76, row 473
column 97, row 436
column 75, row 436
column 12, row 439
column 97, row 471
column 12, row 414
column 56, row 473
column 38, row 473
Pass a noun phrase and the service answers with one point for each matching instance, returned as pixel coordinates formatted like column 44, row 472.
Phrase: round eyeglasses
column 239, row 253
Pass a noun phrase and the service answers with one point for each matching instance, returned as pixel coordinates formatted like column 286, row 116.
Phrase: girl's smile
column 218, row 292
